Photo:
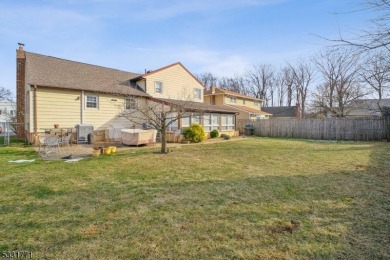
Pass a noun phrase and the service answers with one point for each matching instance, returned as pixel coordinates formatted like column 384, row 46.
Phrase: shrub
column 226, row 137
column 214, row 133
column 222, row 135
column 195, row 133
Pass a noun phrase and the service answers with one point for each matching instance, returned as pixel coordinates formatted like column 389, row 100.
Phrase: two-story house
column 248, row 107
column 54, row 91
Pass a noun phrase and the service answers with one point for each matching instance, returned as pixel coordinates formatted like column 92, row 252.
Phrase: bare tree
column 158, row 114
column 260, row 80
column 302, row 78
column 5, row 93
column 340, row 85
column 376, row 74
column 237, row 84
column 286, row 85
column 207, row 79
column 377, row 35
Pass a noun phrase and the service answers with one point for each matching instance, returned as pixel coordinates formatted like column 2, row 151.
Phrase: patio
column 85, row 150
column 74, row 150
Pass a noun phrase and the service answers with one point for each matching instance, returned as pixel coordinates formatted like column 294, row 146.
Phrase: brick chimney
column 297, row 111
column 20, row 90
column 212, row 89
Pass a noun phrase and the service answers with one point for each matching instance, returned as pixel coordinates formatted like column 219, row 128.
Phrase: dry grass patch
column 256, row 198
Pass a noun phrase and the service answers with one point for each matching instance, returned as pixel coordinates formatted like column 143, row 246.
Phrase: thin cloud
column 159, row 10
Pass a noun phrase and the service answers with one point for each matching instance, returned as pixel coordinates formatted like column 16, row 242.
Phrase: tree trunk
column 163, row 141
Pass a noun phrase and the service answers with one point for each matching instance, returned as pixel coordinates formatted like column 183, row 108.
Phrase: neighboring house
column 368, row 107
column 283, row 112
column 57, row 91
column 248, row 107
column 7, row 110
column 7, row 113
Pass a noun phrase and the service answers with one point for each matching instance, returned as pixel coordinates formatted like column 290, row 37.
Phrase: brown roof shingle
column 49, row 71
column 220, row 91
column 251, row 110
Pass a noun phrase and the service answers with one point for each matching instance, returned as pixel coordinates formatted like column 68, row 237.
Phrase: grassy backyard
column 255, row 198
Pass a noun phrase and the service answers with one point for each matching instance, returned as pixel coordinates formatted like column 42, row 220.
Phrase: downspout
column 35, row 107
column 82, row 108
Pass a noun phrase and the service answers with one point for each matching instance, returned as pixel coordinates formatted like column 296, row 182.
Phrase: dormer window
column 233, row 100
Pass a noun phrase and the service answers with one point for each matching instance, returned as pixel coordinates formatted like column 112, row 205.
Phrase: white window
column 211, row 122
column 195, row 118
column 197, row 93
column 174, row 125
column 131, row 103
column 187, row 120
column 227, row 122
column 256, row 103
column 91, row 101
column 233, row 100
column 158, row 87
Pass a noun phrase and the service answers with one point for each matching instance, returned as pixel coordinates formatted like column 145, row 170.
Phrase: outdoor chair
column 53, row 142
column 66, row 139
column 41, row 141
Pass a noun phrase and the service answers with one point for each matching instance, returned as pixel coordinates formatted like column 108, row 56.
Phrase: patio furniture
column 41, row 142
column 66, row 139
column 52, row 142
column 113, row 132
column 138, row 136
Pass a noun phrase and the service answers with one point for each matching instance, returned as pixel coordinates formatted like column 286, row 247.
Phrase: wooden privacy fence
column 357, row 129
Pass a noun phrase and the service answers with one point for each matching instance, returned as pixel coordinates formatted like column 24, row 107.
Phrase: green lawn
column 255, row 198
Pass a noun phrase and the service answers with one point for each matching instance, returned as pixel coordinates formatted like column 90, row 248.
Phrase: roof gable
column 146, row 75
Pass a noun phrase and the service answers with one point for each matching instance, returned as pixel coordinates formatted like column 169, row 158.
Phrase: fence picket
column 357, row 129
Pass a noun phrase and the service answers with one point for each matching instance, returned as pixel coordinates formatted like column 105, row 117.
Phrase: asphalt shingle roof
column 251, row 110
column 288, row 111
column 219, row 91
column 42, row 70
column 199, row 106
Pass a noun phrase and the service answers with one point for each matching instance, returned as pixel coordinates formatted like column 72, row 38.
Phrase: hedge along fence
column 357, row 129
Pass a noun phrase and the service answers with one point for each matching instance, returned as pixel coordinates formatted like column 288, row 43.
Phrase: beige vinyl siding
column 207, row 99
column 240, row 102
column 243, row 115
column 106, row 115
column 56, row 106
column 252, row 104
column 218, row 99
column 177, row 84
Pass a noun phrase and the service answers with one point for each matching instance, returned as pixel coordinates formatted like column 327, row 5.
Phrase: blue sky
column 224, row 37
